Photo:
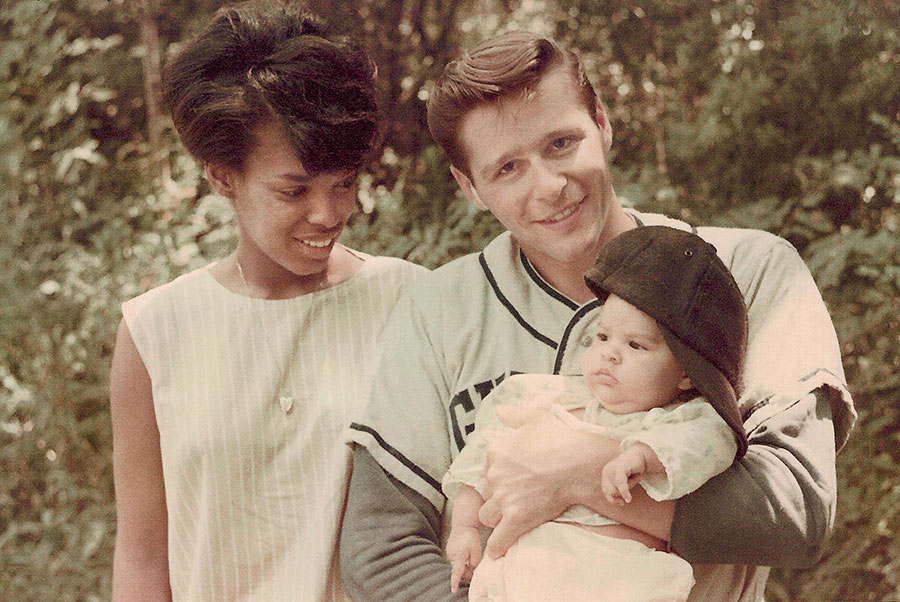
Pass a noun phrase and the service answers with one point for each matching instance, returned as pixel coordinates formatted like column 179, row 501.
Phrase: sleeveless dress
column 251, row 396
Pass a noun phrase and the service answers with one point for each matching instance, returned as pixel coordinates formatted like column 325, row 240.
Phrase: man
column 528, row 141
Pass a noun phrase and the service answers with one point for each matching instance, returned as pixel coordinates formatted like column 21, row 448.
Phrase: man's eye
column 294, row 192
column 506, row 168
column 564, row 143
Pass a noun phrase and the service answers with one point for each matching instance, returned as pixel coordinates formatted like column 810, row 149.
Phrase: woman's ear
column 685, row 384
column 221, row 178
column 468, row 189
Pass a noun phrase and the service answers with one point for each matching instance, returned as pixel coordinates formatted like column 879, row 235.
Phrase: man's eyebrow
column 563, row 132
column 295, row 177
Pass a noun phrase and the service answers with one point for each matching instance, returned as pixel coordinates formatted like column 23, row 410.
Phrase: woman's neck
column 240, row 273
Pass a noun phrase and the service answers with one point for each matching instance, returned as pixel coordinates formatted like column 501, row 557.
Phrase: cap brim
column 712, row 384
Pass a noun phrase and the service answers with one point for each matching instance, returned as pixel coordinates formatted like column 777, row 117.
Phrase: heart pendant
column 287, row 403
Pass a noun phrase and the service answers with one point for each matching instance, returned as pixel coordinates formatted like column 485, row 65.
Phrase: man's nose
column 548, row 182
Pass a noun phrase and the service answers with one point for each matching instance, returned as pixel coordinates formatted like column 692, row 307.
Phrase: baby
column 661, row 376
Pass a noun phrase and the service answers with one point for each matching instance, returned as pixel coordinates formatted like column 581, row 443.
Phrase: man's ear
column 221, row 178
column 468, row 189
column 604, row 124
column 685, row 384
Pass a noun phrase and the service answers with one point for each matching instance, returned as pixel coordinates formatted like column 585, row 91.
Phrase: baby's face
column 629, row 367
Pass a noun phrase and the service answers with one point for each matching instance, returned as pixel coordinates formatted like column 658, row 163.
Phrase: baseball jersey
column 468, row 325
column 464, row 328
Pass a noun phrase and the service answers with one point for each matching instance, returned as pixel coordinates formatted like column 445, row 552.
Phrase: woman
column 231, row 384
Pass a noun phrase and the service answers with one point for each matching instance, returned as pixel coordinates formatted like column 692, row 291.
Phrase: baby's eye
column 601, row 336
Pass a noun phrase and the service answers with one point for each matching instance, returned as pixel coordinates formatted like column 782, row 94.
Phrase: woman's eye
column 635, row 345
column 346, row 184
column 601, row 336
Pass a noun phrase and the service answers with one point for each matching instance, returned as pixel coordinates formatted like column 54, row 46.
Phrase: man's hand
column 464, row 552
column 536, row 472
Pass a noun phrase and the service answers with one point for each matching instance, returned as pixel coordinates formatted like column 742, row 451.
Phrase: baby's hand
column 464, row 552
column 621, row 474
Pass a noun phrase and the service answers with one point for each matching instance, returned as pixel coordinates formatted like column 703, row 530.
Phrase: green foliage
column 759, row 113
column 846, row 221
column 83, row 228
column 424, row 218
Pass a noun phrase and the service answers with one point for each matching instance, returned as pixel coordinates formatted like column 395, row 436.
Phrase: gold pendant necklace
column 285, row 401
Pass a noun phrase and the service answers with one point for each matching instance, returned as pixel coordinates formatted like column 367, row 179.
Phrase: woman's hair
column 273, row 62
column 497, row 68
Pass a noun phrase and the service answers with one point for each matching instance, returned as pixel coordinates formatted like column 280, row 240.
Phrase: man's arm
column 781, row 496
column 389, row 547
column 776, row 505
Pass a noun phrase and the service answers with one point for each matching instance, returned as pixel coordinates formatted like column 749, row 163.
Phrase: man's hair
column 495, row 69
column 270, row 62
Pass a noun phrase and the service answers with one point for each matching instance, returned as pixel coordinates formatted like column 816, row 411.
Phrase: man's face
column 538, row 162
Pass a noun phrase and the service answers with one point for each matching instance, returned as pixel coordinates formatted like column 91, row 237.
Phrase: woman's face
column 287, row 218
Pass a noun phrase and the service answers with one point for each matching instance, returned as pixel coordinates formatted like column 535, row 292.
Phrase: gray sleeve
column 389, row 547
column 773, row 507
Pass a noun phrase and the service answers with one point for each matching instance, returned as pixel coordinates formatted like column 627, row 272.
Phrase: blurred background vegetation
column 774, row 114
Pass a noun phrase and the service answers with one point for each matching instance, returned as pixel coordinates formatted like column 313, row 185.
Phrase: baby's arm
column 464, row 542
column 624, row 471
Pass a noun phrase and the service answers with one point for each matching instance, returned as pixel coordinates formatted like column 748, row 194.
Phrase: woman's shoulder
column 391, row 268
column 186, row 287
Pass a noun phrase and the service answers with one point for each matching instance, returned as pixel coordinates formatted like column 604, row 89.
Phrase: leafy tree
column 777, row 114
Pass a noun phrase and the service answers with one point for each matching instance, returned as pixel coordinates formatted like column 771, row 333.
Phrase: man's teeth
column 563, row 214
column 317, row 244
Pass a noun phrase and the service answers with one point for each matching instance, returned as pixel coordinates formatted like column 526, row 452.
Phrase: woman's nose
column 325, row 212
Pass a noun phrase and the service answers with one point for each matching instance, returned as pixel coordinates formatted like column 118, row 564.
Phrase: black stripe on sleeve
column 557, row 365
column 509, row 306
column 529, row 269
column 396, row 453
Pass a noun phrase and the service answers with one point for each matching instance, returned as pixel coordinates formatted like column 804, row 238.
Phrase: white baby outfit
column 560, row 561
